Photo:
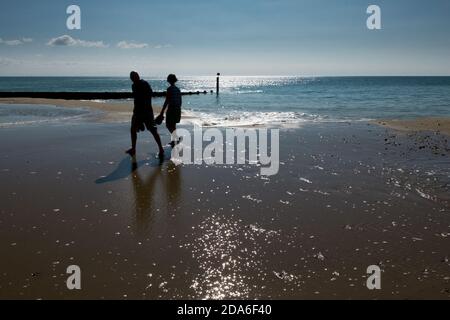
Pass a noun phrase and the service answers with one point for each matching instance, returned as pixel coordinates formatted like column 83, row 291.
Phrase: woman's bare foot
column 131, row 152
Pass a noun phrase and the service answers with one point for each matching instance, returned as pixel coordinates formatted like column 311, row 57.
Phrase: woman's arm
column 166, row 103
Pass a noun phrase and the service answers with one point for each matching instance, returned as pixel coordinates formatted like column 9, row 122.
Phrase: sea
column 257, row 100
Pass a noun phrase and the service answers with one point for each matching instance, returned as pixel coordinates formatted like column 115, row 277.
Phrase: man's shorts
column 142, row 122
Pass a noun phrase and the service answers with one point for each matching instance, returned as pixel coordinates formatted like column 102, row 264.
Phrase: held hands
column 159, row 119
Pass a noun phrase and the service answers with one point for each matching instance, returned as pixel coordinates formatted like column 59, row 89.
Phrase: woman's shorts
column 173, row 116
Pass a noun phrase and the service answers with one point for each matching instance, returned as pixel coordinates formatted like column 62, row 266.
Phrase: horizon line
column 231, row 75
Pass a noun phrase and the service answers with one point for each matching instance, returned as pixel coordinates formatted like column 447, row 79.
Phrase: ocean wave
column 39, row 121
column 256, row 118
column 24, row 115
column 249, row 91
column 247, row 118
column 95, row 100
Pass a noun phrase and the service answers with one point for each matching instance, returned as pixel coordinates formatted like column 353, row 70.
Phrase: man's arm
column 149, row 89
column 133, row 89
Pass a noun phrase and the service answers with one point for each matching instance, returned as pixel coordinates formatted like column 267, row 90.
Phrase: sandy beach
column 297, row 150
column 438, row 125
column 348, row 195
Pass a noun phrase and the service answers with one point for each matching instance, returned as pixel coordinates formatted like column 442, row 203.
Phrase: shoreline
column 113, row 110
column 121, row 110
column 123, row 106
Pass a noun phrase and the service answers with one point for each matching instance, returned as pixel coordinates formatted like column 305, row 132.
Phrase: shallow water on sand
column 347, row 197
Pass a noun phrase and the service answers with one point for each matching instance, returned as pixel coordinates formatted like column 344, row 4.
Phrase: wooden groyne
column 85, row 95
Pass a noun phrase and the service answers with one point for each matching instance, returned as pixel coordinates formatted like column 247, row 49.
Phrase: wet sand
column 111, row 111
column 347, row 196
column 440, row 125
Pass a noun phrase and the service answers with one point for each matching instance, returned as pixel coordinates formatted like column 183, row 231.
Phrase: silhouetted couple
column 143, row 118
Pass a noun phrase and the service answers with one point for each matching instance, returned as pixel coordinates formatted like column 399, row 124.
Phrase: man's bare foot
column 131, row 152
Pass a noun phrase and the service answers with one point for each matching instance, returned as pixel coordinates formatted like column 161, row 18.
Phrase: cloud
column 62, row 41
column 131, row 45
column 162, row 46
column 136, row 45
column 4, row 61
column 68, row 41
column 15, row 42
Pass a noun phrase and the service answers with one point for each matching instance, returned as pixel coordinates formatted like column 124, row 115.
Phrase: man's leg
column 132, row 151
column 155, row 134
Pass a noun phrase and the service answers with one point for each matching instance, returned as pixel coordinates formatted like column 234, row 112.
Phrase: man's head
column 134, row 76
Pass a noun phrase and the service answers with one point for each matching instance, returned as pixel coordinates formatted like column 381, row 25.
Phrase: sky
column 234, row 37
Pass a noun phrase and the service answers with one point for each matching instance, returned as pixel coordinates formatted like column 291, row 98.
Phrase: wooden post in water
column 217, row 83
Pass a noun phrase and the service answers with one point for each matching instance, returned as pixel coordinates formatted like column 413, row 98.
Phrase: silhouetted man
column 143, row 117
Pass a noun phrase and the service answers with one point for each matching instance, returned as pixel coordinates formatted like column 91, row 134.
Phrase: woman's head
column 172, row 79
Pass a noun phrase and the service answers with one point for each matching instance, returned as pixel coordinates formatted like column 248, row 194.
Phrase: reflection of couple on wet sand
column 146, row 198
column 143, row 117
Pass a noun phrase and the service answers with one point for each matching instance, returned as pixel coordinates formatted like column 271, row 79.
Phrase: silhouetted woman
column 173, row 105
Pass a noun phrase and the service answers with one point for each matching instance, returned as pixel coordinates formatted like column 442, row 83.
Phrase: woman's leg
column 173, row 135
